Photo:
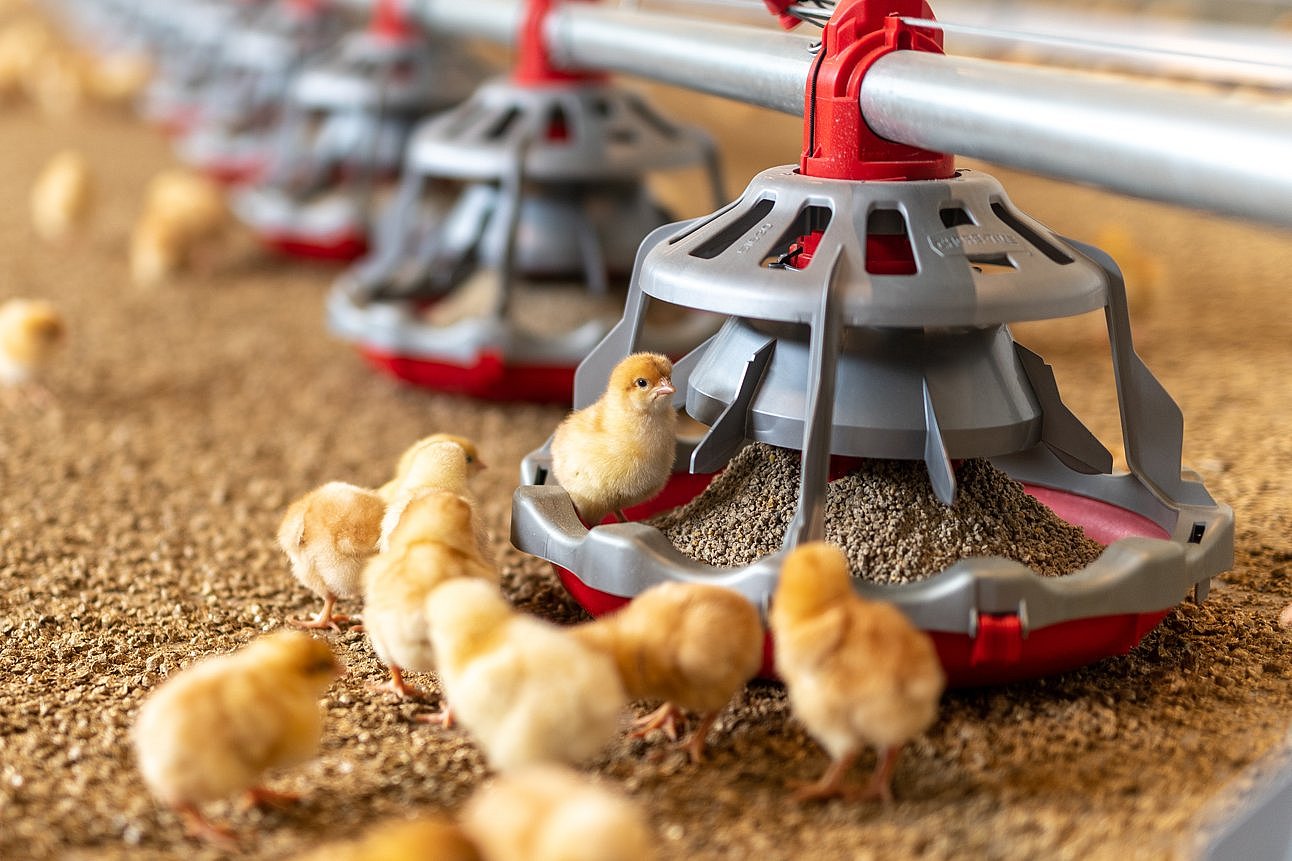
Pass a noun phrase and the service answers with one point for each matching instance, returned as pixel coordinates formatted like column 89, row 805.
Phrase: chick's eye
column 640, row 382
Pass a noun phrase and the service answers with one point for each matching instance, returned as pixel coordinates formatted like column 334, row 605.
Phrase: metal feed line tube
column 1149, row 141
column 1183, row 147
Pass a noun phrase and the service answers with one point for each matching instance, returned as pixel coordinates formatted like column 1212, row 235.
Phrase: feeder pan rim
column 392, row 328
column 684, row 269
column 330, row 83
column 1133, row 575
column 269, row 210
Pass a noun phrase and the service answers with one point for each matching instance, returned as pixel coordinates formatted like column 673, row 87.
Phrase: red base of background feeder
column 1000, row 653
column 233, row 172
column 342, row 247
column 490, row 378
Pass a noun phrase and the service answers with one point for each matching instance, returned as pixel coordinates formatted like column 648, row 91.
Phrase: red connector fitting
column 389, row 21
column 837, row 143
column 778, row 7
column 534, row 65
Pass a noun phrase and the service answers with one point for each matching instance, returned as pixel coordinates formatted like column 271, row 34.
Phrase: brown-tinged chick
column 31, row 332
column 693, row 645
column 858, row 672
column 329, row 534
column 416, row 840
column 618, row 451
column 439, row 465
column 61, row 196
column 526, row 690
column 406, row 460
column 182, row 213
column 548, row 813
column 433, row 542
column 215, row 728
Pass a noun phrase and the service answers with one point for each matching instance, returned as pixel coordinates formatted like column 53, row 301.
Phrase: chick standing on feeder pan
column 216, row 727
column 694, row 645
column 527, row 690
column 547, row 813
column 857, row 671
column 619, row 451
column 329, row 534
column 433, row 542
column 30, row 332
column 61, row 196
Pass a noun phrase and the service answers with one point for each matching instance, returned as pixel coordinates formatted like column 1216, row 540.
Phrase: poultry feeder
column 867, row 295
column 343, row 132
column 232, row 134
column 188, row 39
column 549, row 169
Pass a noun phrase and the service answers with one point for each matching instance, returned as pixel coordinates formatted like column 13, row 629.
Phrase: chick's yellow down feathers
column 215, row 728
column 412, row 453
column 693, row 645
column 439, row 465
column 858, row 672
column 329, row 534
column 61, row 196
column 31, row 331
column 433, row 542
column 548, row 813
column 527, row 690
column 416, row 840
column 182, row 211
column 619, row 451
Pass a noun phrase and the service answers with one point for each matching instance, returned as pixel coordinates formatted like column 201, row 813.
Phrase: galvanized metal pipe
column 1182, row 147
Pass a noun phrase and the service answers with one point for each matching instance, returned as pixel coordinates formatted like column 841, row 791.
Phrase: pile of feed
column 883, row 514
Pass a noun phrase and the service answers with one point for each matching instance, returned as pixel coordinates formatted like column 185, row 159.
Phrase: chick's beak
column 663, row 389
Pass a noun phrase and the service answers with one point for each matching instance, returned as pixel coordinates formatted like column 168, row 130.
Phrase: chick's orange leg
column 830, row 784
column 198, row 826
column 667, row 718
column 262, row 796
column 881, row 781
column 398, row 686
column 444, row 717
column 325, row 617
column 695, row 745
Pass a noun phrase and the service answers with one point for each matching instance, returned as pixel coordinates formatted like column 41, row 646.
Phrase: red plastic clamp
column 778, row 7
column 534, row 65
column 837, row 143
column 389, row 21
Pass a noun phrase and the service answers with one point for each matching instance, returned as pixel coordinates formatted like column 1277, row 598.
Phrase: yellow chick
column 118, row 78
column 329, row 534
column 22, row 43
column 548, row 813
column 694, row 645
column 618, row 451
column 432, row 543
column 182, row 211
column 857, row 671
column 524, row 688
column 417, row 840
column 54, row 83
column 215, row 728
column 411, row 454
column 31, row 331
column 61, row 196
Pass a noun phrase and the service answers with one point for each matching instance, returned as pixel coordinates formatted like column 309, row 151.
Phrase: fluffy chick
column 432, row 543
column 525, row 689
column 411, row 454
column 61, row 196
column 31, row 331
column 215, row 728
column 182, row 211
column 693, row 645
column 548, row 813
column 619, row 451
column 443, row 464
column 857, row 671
column 329, row 534
column 417, row 840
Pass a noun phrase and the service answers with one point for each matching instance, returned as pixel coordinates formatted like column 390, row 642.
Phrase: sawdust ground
column 137, row 524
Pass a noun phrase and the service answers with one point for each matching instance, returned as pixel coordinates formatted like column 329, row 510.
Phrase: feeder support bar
column 1187, row 148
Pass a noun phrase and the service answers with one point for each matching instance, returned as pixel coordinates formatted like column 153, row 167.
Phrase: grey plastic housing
column 831, row 358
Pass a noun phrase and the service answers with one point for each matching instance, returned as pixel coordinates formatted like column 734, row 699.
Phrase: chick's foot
column 398, row 686
column 263, row 797
column 668, row 718
column 199, row 827
column 830, row 784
